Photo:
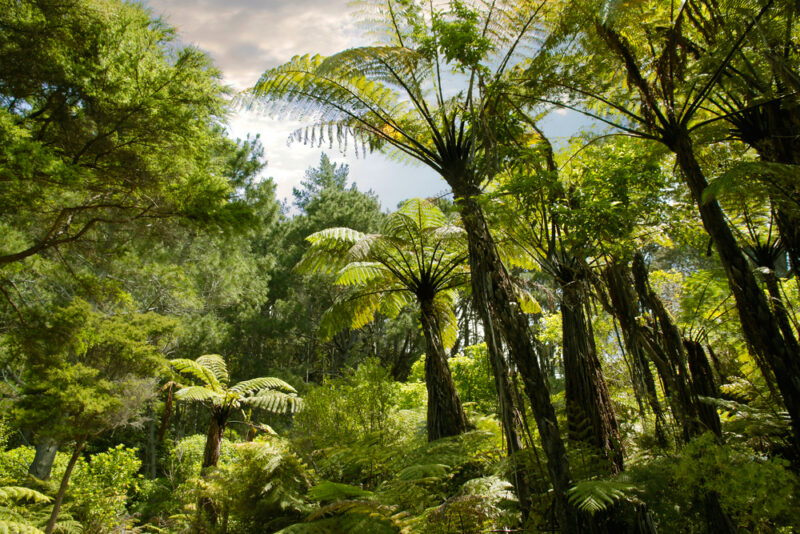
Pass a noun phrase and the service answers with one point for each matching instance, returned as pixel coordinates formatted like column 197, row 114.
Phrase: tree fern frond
column 200, row 372
column 331, row 237
column 393, row 303
column 333, row 491
column 275, row 401
column 246, row 387
column 359, row 273
column 424, row 471
column 217, row 365
column 199, row 394
column 15, row 527
column 527, row 302
column 597, row 495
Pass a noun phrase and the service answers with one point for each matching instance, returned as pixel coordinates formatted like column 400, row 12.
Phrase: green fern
column 333, row 491
column 597, row 495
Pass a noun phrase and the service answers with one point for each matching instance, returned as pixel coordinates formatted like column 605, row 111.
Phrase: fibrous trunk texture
column 590, row 414
column 445, row 414
column 498, row 306
column 759, row 324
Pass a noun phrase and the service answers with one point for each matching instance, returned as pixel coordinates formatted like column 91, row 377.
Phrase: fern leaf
column 216, row 364
column 360, row 273
column 199, row 394
column 262, row 383
column 15, row 527
column 333, row 491
column 18, row 493
column 198, row 371
column 597, row 495
column 275, row 401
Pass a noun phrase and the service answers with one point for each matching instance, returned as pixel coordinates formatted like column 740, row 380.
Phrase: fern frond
column 359, row 273
column 424, row 471
column 198, row 371
column 597, row 495
column 217, row 365
column 527, row 302
column 262, row 383
column 275, row 401
column 333, row 491
column 200, row 394
column 19, row 493
column 15, row 527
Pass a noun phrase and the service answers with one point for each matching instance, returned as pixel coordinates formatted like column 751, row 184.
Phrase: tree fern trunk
column 445, row 414
column 497, row 305
column 624, row 306
column 590, row 414
column 759, row 325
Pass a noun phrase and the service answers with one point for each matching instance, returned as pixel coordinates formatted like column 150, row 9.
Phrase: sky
column 247, row 37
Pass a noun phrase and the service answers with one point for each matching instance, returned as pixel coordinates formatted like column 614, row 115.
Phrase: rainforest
column 593, row 332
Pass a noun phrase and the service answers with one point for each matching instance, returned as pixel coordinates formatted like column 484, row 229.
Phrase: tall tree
column 105, row 123
column 418, row 257
column 670, row 88
column 392, row 96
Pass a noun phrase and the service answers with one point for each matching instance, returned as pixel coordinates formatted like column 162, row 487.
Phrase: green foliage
column 746, row 482
column 101, row 487
column 597, row 495
column 471, row 374
column 262, row 488
column 115, row 126
column 267, row 393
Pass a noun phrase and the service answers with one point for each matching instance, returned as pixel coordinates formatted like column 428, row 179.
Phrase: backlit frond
column 275, row 401
column 15, row 527
column 196, row 370
column 18, row 493
column 200, row 394
column 262, row 383
column 216, row 364
column 360, row 273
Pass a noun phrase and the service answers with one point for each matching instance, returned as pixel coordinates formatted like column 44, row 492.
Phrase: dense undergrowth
column 356, row 459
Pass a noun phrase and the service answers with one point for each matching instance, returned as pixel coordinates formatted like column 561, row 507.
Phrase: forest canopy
column 588, row 335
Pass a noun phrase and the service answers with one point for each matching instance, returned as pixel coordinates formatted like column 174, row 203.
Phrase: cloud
column 245, row 37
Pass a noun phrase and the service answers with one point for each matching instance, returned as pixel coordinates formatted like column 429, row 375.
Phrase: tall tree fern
column 419, row 257
column 392, row 96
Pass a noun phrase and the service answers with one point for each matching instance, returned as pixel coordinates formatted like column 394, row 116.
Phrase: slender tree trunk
column 590, row 414
column 779, row 309
column 497, row 305
column 666, row 347
column 42, row 465
column 703, row 386
column 445, row 414
column 624, row 306
column 510, row 419
column 62, row 489
column 758, row 322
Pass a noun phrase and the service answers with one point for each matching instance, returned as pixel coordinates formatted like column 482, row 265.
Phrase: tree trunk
column 445, row 414
column 510, row 419
column 216, row 430
column 497, row 305
column 624, row 306
column 665, row 344
column 758, row 322
column 703, row 386
column 62, row 489
column 590, row 414
column 42, row 465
